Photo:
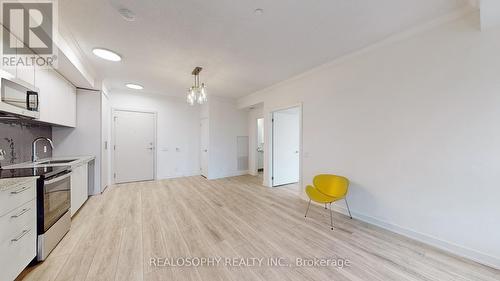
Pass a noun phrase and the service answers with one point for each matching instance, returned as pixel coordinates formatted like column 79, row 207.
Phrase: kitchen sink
column 57, row 161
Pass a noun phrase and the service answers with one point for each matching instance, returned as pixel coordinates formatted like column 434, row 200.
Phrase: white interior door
column 105, row 146
column 134, row 151
column 204, row 147
column 286, row 146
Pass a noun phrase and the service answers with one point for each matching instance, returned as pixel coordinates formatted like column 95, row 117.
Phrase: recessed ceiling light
column 258, row 11
column 106, row 54
column 134, row 86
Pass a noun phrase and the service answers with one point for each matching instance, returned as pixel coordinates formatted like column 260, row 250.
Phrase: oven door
column 56, row 198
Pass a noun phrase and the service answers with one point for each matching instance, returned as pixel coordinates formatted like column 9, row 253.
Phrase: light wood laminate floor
column 115, row 234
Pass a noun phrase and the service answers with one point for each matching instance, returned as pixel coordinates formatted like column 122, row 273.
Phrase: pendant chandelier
column 197, row 93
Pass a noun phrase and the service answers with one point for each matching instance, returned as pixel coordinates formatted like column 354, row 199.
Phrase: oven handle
column 57, row 179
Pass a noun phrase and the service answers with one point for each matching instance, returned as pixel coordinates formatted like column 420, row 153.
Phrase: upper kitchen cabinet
column 56, row 95
column 57, row 98
column 26, row 70
column 9, row 69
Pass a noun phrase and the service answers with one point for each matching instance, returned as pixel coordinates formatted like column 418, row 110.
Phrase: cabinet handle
column 23, row 211
column 20, row 190
column 21, row 235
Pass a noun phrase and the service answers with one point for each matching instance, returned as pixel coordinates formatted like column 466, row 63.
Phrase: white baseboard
column 189, row 174
column 450, row 247
column 453, row 248
column 229, row 174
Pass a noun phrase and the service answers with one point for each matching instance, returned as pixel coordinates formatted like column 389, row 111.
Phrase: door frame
column 270, row 146
column 255, row 168
column 208, row 146
column 113, row 136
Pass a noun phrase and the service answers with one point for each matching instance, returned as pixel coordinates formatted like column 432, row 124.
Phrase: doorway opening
column 134, row 150
column 286, row 142
column 259, row 157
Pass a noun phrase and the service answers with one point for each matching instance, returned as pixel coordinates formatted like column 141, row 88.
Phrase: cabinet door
column 23, row 66
column 9, row 69
column 79, row 188
column 26, row 70
column 57, row 98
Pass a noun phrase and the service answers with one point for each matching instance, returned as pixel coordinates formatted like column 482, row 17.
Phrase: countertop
column 78, row 160
column 30, row 172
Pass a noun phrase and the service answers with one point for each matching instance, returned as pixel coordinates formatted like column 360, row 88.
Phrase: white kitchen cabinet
column 79, row 187
column 91, row 136
column 26, row 72
column 17, row 226
column 57, row 98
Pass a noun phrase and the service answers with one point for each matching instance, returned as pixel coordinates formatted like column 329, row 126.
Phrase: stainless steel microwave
column 18, row 97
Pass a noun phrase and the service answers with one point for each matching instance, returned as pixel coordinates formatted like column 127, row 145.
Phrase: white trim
column 230, row 174
column 208, row 147
column 113, row 136
column 190, row 174
column 254, row 171
column 270, row 147
column 446, row 246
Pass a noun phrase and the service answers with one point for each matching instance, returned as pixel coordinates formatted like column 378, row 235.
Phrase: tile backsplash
column 16, row 138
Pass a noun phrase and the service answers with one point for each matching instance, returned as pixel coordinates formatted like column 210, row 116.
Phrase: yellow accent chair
column 327, row 189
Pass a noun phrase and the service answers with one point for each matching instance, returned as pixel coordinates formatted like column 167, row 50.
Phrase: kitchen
column 45, row 176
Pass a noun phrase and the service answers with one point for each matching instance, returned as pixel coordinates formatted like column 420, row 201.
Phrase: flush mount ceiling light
column 197, row 93
column 106, row 54
column 134, row 86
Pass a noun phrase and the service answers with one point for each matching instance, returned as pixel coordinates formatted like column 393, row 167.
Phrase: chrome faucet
column 34, row 158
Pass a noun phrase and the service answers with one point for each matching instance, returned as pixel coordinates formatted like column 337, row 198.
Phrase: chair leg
column 325, row 206
column 331, row 216
column 305, row 216
column 345, row 198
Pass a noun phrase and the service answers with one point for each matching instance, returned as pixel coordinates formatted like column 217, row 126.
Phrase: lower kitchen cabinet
column 17, row 226
column 79, row 187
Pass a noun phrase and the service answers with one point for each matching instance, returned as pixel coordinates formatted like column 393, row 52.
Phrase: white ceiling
column 239, row 51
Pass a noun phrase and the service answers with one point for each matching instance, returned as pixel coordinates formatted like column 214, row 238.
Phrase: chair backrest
column 331, row 185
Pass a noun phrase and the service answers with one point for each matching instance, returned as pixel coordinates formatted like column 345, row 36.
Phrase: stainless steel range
column 53, row 205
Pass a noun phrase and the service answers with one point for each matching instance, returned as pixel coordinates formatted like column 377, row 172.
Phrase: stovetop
column 32, row 172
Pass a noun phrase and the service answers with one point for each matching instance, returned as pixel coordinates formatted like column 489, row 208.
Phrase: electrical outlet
column 44, row 149
column 2, row 154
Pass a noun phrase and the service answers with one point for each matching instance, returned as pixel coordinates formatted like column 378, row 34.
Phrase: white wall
column 253, row 115
column 177, row 127
column 414, row 125
column 226, row 123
